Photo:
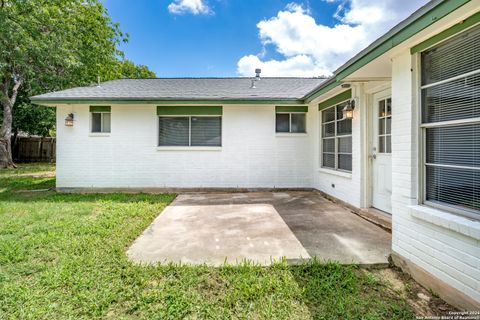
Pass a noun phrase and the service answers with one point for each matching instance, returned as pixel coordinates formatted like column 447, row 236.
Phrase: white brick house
column 412, row 148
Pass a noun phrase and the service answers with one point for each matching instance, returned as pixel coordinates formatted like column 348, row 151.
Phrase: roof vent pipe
column 257, row 73
column 253, row 84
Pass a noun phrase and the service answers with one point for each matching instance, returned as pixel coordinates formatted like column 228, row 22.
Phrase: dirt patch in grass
column 46, row 174
column 422, row 301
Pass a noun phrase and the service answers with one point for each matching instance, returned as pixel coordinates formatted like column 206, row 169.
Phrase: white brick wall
column 449, row 255
column 252, row 154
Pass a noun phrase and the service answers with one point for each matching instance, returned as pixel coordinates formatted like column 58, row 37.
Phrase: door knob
column 374, row 156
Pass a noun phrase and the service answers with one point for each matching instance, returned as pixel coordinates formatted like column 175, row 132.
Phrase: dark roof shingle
column 189, row 89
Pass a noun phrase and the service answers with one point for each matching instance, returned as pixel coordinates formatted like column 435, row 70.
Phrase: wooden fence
column 33, row 149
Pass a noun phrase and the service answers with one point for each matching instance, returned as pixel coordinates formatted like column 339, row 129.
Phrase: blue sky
column 177, row 38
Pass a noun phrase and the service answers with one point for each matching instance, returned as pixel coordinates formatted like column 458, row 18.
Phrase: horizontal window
column 291, row 122
column 194, row 131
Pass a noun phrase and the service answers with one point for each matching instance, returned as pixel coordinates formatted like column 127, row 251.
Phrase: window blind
column 451, row 92
column 206, row 131
column 457, row 56
column 174, row 131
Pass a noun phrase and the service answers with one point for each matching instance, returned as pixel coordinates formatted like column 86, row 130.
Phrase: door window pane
column 388, row 129
column 389, row 107
column 381, row 144
column 388, row 144
column 381, row 108
column 381, row 126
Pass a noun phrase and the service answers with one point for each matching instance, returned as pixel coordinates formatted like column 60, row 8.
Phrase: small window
column 336, row 139
column 385, row 126
column 190, row 131
column 100, row 122
column 291, row 123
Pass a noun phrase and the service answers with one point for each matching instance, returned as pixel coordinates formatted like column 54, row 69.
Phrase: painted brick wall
column 252, row 154
column 448, row 255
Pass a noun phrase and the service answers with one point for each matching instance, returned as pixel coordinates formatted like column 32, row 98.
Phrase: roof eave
column 163, row 101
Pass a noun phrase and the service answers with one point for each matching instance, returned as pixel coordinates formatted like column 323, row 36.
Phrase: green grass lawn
column 63, row 256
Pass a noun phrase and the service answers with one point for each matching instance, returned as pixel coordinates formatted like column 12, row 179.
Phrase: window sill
column 99, row 134
column 189, row 148
column 336, row 172
column 291, row 134
column 465, row 226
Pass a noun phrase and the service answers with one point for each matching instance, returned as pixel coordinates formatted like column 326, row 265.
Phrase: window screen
column 450, row 123
column 336, row 139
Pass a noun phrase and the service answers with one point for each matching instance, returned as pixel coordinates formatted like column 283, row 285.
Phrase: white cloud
column 189, row 6
column 299, row 65
column 311, row 49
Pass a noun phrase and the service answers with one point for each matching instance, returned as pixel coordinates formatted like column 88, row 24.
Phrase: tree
column 50, row 45
column 40, row 120
column 127, row 69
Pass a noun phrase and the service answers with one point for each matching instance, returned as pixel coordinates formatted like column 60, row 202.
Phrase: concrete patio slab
column 261, row 227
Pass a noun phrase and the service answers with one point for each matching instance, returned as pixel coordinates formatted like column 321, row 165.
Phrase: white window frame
column 423, row 143
column 101, row 122
column 189, row 131
column 335, row 138
column 290, row 123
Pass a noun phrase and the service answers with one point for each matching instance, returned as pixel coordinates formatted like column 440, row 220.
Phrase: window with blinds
column 190, row 131
column 451, row 123
column 336, row 139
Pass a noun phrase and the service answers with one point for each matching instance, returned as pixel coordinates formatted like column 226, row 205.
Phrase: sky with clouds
column 181, row 38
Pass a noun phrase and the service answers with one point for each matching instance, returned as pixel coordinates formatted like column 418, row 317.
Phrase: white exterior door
column 381, row 153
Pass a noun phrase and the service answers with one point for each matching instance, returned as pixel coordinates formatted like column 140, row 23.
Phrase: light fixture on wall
column 69, row 120
column 348, row 110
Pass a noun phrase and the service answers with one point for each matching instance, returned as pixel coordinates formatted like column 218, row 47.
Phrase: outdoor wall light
column 348, row 110
column 69, row 120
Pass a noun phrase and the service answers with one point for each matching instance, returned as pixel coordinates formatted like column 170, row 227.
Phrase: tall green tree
column 48, row 45
column 40, row 120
